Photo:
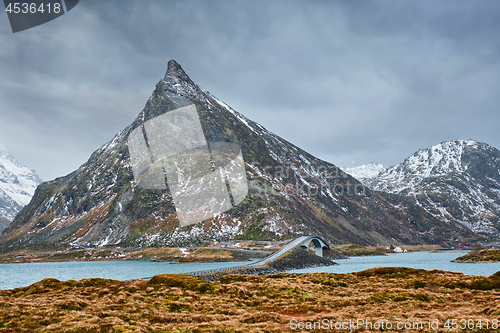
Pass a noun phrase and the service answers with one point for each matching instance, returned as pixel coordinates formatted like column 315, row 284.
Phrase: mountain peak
column 454, row 144
column 174, row 66
column 176, row 83
column 174, row 69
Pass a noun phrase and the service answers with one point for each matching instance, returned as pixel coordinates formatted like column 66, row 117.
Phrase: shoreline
column 174, row 255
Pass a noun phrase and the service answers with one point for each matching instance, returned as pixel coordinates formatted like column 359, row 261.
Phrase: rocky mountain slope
column 17, row 185
column 290, row 192
column 454, row 181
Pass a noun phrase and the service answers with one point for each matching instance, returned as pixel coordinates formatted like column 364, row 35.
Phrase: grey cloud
column 348, row 81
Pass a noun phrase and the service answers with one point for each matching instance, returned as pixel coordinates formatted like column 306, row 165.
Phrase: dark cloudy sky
column 349, row 81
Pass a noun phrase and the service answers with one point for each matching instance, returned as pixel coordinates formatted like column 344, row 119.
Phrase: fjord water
column 21, row 275
column 424, row 260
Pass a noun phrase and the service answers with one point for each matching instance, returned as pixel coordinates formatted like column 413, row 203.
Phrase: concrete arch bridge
column 302, row 241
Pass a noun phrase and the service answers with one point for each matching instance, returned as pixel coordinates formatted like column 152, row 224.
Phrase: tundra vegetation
column 242, row 303
column 488, row 255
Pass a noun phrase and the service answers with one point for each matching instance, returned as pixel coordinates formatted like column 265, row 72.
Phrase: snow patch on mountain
column 17, row 184
column 366, row 172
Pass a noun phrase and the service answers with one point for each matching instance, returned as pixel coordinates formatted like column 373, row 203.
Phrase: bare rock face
column 121, row 198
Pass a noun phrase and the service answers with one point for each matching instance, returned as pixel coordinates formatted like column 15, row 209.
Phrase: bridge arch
column 318, row 243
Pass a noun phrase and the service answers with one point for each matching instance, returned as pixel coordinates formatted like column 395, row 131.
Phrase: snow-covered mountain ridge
column 454, row 181
column 17, row 184
column 439, row 160
column 365, row 173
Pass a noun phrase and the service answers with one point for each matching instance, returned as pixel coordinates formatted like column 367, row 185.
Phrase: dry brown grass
column 489, row 255
column 236, row 303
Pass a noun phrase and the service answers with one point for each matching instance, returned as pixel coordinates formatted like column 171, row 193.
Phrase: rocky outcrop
column 331, row 254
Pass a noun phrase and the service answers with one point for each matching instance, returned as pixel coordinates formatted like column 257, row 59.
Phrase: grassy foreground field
column 238, row 303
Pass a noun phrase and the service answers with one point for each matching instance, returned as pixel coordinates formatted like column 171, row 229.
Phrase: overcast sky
column 351, row 82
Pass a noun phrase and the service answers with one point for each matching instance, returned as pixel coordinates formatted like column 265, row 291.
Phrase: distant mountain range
column 454, row 181
column 127, row 193
column 17, row 186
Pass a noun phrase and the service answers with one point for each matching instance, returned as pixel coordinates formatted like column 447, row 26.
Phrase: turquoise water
column 424, row 260
column 21, row 275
